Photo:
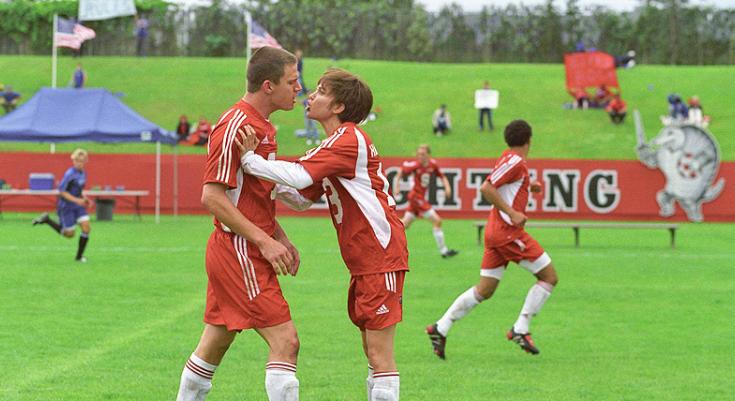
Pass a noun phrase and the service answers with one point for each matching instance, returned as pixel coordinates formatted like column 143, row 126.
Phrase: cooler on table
column 41, row 181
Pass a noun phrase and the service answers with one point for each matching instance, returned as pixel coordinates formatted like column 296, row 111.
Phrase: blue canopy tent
column 78, row 115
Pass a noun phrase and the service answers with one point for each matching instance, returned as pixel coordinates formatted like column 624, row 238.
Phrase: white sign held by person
column 94, row 10
column 486, row 99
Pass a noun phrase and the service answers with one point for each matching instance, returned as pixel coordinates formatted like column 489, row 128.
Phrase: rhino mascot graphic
column 689, row 158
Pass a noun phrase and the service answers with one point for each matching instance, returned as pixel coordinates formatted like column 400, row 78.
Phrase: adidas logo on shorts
column 382, row 310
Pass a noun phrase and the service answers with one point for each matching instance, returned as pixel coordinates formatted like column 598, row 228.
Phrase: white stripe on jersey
column 386, row 186
column 508, row 193
column 225, row 159
column 360, row 188
column 504, row 168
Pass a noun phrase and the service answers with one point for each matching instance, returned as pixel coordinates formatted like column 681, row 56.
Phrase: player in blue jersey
column 72, row 204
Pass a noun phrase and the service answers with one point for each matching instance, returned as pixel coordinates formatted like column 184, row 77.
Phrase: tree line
column 660, row 31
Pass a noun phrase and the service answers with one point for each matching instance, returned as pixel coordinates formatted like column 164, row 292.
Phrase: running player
column 507, row 188
column 248, row 248
column 422, row 169
column 372, row 240
column 72, row 204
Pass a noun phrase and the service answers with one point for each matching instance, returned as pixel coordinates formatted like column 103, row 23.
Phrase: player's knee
column 548, row 275
column 484, row 292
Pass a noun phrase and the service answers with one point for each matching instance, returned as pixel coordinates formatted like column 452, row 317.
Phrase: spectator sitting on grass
column 183, row 128
column 9, row 99
column 441, row 121
column 616, row 109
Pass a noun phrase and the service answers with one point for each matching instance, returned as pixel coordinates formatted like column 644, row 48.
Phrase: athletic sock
column 83, row 238
column 439, row 237
column 537, row 296
column 196, row 379
column 281, row 383
column 370, row 382
column 54, row 225
column 461, row 306
column 387, row 386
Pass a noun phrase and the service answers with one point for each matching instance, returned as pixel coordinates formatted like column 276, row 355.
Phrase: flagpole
column 53, row 51
column 249, row 22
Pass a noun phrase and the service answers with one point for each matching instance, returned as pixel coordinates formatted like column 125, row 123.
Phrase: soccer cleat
column 42, row 219
column 438, row 341
column 449, row 253
column 81, row 260
column 523, row 340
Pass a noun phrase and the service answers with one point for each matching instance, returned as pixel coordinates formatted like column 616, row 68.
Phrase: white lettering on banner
column 560, row 190
column 601, row 192
column 475, row 178
column 437, row 195
column 93, row 10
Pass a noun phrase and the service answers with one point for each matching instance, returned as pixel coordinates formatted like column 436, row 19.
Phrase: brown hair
column 267, row 64
column 518, row 133
column 349, row 90
column 426, row 147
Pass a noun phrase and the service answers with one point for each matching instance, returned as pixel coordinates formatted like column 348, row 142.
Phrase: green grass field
column 631, row 318
column 163, row 88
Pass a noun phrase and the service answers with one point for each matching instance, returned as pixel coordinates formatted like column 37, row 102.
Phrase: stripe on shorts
column 246, row 265
column 390, row 281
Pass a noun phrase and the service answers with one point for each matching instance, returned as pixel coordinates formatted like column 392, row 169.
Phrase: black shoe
column 523, row 340
column 438, row 341
column 42, row 219
column 449, row 253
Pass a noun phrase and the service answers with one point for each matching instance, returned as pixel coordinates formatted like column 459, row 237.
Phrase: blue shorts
column 70, row 215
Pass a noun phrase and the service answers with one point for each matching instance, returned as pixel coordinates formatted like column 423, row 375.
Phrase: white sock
column 370, row 382
column 387, row 386
column 439, row 237
column 196, row 379
column 537, row 296
column 281, row 383
column 461, row 306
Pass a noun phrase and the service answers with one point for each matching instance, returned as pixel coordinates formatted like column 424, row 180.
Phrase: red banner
column 572, row 189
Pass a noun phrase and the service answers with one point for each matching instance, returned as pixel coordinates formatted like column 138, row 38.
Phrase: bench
column 480, row 225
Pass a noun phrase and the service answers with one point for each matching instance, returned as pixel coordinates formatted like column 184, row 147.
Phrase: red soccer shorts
column 374, row 301
column 418, row 205
column 243, row 290
column 524, row 250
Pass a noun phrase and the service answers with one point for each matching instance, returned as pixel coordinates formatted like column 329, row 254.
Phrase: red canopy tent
column 590, row 70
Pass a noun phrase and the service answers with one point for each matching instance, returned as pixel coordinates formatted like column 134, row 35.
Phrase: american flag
column 259, row 37
column 70, row 33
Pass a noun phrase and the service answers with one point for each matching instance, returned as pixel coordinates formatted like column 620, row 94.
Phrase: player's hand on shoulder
column 277, row 255
column 247, row 140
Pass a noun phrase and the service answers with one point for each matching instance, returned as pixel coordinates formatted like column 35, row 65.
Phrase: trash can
column 104, row 209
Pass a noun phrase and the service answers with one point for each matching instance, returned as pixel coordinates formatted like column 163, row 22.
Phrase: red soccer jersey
column 251, row 195
column 421, row 176
column 370, row 234
column 510, row 178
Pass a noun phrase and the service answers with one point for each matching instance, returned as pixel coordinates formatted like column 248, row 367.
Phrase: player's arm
column 397, row 183
column 281, row 237
column 66, row 195
column 215, row 200
column 491, row 194
column 278, row 171
column 292, row 198
column 447, row 187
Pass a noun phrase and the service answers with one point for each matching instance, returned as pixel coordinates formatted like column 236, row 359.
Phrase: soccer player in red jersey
column 422, row 169
column 248, row 248
column 371, row 237
column 507, row 188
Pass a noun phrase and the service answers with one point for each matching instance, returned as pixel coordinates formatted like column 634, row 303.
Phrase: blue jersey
column 73, row 183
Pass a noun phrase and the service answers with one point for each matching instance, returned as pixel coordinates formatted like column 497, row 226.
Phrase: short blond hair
column 79, row 153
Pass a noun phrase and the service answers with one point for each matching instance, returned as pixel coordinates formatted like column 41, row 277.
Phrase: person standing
column 72, row 204
column 141, row 35
column 422, row 169
column 248, row 249
column 507, row 188
column 79, row 78
column 486, row 100
column 300, row 56
column 347, row 168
